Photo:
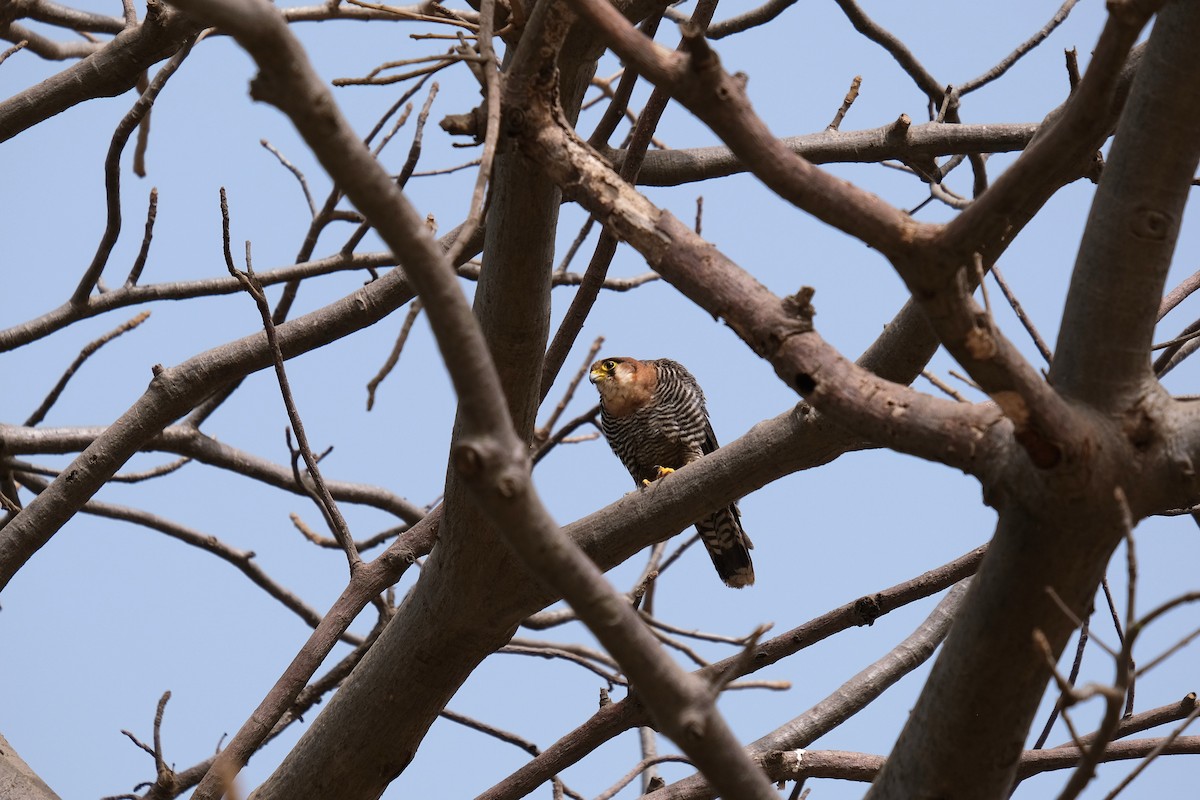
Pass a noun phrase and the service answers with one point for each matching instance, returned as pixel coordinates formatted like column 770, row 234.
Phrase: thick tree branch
column 1121, row 270
column 919, row 143
column 17, row 779
column 107, row 72
column 65, row 17
column 797, row 765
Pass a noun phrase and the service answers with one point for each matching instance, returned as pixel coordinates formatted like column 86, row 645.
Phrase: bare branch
column 112, row 171
column 393, row 358
column 325, row 501
column 186, row 441
column 292, row 168
column 1012, row 58
column 139, row 263
column 616, row 718
column 490, row 730
column 642, row 766
column 89, row 349
column 932, row 87
column 749, row 19
column 491, row 79
column 243, row 560
column 1019, row 310
column 848, row 699
column 851, row 96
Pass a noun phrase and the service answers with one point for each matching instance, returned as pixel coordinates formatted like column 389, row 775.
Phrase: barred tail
column 728, row 546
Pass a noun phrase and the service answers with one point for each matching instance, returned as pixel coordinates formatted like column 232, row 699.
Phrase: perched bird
column 652, row 414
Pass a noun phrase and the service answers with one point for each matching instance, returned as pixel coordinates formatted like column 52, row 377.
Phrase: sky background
column 107, row 616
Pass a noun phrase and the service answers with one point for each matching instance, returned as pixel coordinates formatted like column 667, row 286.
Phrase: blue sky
column 108, row 616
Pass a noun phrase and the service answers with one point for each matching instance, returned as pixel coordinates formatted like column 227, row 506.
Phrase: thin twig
column 395, row 128
column 1015, row 304
column 112, row 172
column 453, row 19
column 491, row 77
column 675, row 644
column 1177, row 295
column 89, row 349
column 1023, row 48
column 561, row 435
column 610, row 677
column 1122, row 686
column 1178, row 340
column 437, row 66
column 851, row 96
column 410, row 163
column 575, row 245
column 153, row 472
column 647, row 738
column 576, row 379
column 693, row 634
column 679, row 551
column 139, row 263
column 393, row 358
column 243, row 560
column 1071, row 678
column 160, row 763
column 741, row 664
column 331, row 543
column 1153, row 754
column 965, row 379
column 641, row 766
column 932, row 88
column 618, row 107
column 328, row 506
column 447, row 170
column 21, row 45
column 943, row 386
column 749, row 19
column 490, row 730
column 1170, row 651
column 143, row 133
column 292, row 168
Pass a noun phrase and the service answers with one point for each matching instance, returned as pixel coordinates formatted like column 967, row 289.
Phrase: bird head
column 618, row 369
column 625, row 384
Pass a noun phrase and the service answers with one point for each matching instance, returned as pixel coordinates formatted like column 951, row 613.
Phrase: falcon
column 652, row 414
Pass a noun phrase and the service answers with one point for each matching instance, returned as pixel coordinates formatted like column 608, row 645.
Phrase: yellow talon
column 661, row 472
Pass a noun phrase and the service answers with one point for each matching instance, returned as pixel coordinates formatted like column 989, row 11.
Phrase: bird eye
column 610, row 365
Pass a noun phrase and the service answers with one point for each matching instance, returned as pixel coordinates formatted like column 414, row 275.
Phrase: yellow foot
column 661, row 472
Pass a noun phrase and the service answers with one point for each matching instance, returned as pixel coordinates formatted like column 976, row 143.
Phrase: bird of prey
column 652, row 414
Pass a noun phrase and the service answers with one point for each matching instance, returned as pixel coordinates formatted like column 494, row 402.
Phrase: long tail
column 728, row 546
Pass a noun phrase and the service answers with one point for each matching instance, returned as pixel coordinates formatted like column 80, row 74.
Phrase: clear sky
column 107, row 616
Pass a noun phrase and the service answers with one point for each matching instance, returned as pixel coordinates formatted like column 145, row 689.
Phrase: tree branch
column 1121, row 270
